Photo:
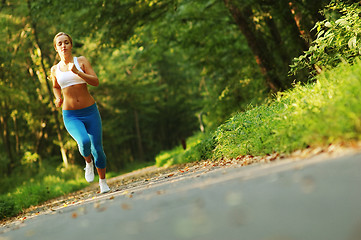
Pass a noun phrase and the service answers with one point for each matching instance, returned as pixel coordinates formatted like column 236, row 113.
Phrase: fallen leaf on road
column 160, row 192
column 99, row 208
column 126, row 206
column 125, row 192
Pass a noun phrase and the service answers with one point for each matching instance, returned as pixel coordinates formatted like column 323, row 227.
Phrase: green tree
column 162, row 65
column 337, row 39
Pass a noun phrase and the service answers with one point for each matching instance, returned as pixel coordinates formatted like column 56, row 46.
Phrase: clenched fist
column 72, row 67
column 58, row 102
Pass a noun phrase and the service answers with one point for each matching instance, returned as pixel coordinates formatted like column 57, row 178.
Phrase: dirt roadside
column 151, row 175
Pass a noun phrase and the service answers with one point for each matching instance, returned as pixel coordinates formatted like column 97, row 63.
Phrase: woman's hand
column 72, row 67
column 58, row 102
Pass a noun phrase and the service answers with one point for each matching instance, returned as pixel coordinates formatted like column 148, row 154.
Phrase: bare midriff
column 77, row 97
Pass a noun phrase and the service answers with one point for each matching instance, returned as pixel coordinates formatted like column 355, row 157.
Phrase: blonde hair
column 62, row 33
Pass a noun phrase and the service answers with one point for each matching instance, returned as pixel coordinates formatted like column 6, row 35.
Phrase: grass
column 168, row 158
column 48, row 184
column 40, row 188
column 319, row 113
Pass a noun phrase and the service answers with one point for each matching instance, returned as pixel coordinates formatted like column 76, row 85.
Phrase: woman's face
column 63, row 45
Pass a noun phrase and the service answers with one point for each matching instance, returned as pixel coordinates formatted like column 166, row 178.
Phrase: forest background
column 168, row 69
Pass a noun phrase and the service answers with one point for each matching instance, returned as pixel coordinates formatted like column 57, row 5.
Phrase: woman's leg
column 94, row 129
column 101, row 172
column 88, row 159
column 77, row 130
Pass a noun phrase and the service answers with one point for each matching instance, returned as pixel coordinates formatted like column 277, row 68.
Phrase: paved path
column 315, row 199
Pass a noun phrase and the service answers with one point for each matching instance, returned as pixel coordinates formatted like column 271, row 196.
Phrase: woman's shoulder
column 53, row 68
column 81, row 58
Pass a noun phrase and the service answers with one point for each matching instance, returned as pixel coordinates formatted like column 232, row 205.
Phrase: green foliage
column 162, row 64
column 198, row 147
column 48, row 184
column 39, row 188
column 223, row 67
column 316, row 114
column 7, row 207
column 338, row 38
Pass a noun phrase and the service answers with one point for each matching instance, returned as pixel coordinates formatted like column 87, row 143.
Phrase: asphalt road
column 309, row 199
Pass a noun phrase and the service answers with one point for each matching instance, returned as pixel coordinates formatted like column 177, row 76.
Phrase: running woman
column 80, row 112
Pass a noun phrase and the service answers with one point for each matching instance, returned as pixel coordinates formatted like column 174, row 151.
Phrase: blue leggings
column 85, row 126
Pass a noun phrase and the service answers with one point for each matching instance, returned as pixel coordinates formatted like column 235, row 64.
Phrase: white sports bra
column 68, row 78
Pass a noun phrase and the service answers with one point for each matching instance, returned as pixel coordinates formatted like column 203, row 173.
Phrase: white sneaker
column 104, row 188
column 89, row 172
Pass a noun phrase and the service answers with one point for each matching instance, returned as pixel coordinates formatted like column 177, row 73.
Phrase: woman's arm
column 88, row 75
column 56, row 89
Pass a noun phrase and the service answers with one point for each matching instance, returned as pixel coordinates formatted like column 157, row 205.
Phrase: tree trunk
column 256, row 43
column 291, row 21
column 40, row 136
column 16, row 131
column 278, row 41
column 297, row 16
column 53, row 108
column 139, row 137
column 6, row 139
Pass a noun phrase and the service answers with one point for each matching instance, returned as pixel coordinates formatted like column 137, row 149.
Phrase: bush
column 7, row 207
column 198, row 147
column 338, row 39
column 326, row 111
column 40, row 188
